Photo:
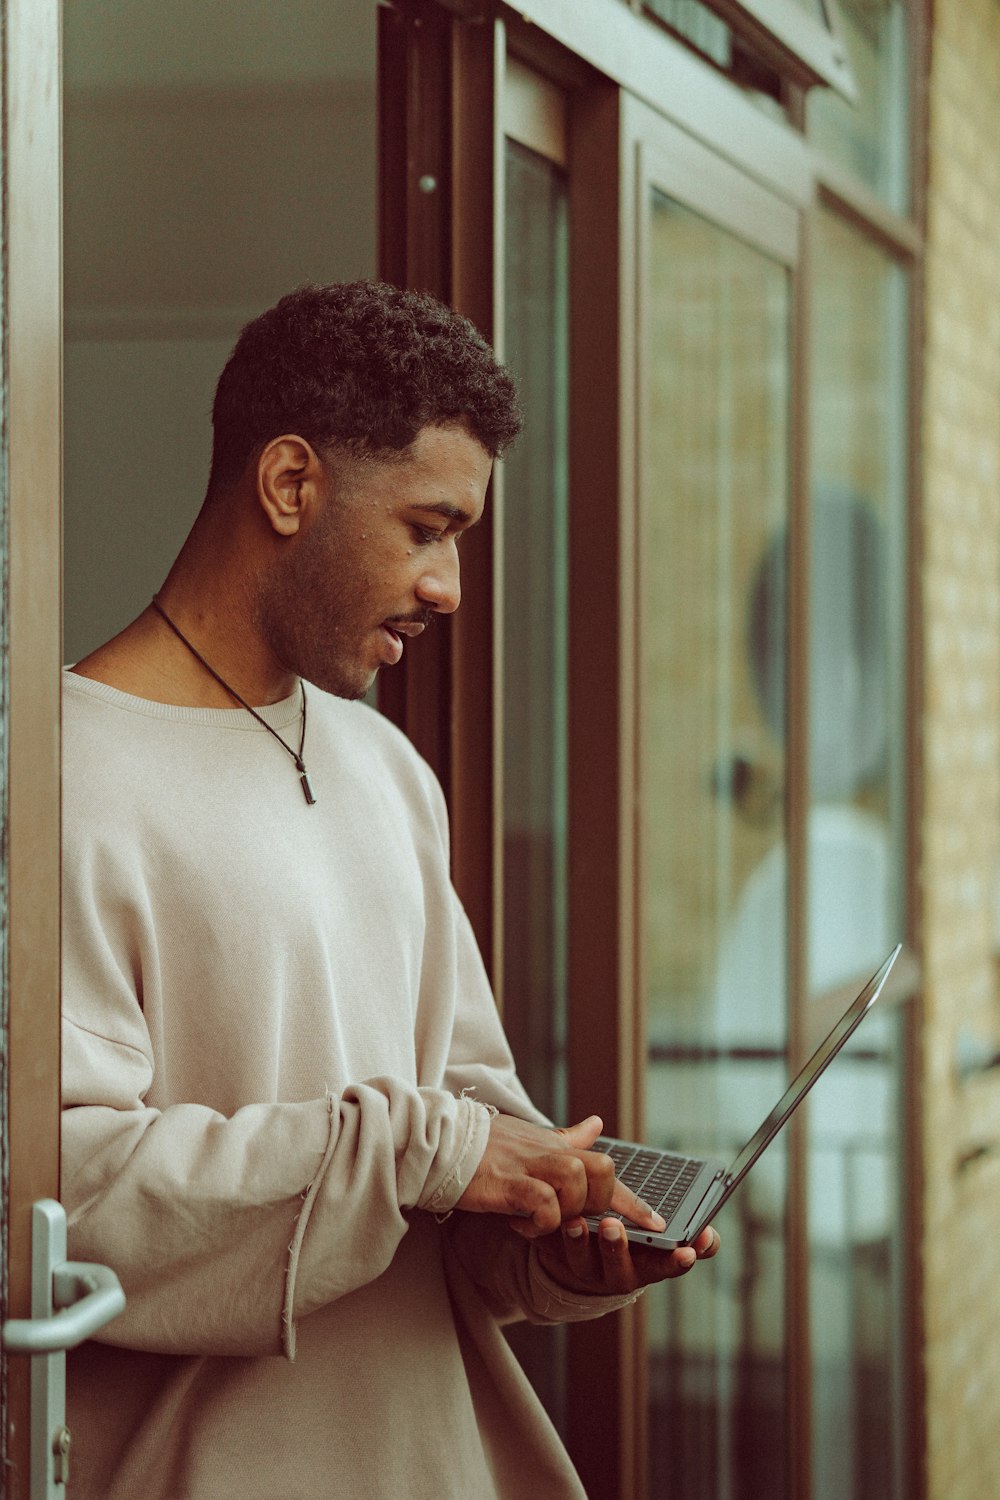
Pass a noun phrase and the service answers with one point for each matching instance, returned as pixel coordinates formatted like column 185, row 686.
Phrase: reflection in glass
column 870, row 136
column 811, row 1071
column 856, row 855
column 715, row 497
column 857, row 606
column 697, row 24
column 535, row 666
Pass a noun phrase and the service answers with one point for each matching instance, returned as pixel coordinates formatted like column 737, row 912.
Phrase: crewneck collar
column 278, row 715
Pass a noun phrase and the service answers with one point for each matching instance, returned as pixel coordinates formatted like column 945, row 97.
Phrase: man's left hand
column 609, row 1264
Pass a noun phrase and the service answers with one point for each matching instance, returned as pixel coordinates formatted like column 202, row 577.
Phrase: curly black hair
column 361, row 366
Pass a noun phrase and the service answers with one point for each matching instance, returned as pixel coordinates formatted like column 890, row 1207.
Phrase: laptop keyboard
column 659, row 1179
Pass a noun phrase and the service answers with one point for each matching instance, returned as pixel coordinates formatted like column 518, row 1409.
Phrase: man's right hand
column 541, row 1177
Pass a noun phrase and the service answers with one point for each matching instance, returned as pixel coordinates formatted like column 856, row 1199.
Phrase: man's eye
column 424, row 534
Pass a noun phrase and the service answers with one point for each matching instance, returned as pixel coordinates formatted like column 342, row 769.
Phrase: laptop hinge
column 710, row 1191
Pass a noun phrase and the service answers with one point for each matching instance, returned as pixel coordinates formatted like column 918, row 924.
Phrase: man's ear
column 289, row 475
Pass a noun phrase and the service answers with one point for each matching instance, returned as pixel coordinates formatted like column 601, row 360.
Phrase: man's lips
column 391, row 633
column 405, row 627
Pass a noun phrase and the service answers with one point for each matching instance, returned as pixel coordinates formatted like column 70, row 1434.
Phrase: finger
column 616, row 1262
column 680, row 1261
column 577, row 1248
column 566, row 1172
column 583, row 1135
column 600, row 1174
column 624, row 1201
column 583, row 1181
column 650, row 1266
column 707, row 1244
column 534, row 1204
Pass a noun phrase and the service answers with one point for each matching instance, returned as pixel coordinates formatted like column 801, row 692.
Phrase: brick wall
column 961, row 602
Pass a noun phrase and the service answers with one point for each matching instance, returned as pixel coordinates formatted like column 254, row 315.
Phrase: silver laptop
column 688, row 1190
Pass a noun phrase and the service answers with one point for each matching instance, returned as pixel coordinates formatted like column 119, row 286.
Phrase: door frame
column 32, row 651
column 661, row 153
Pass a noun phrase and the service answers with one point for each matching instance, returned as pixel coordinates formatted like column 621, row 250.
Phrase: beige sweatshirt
column 271, row 1014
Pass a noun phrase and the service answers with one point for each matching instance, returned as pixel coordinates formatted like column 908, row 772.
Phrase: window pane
column 856, row 838
column 713, row 548
column 535, row 629
column 857, row 605
column 761, row 42
column 695, row 22
column 857, row 1268
column 535, row 672
column 869, row 137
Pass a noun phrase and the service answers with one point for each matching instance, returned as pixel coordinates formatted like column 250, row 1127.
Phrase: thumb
column 583, row 1136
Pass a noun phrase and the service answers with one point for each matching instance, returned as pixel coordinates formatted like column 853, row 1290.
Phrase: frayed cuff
column 470, row 1153
column 308, row 1200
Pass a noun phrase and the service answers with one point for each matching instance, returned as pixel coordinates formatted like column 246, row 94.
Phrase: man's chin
column 353, row 687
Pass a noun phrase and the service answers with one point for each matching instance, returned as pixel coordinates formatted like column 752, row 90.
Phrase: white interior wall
column 215, row 157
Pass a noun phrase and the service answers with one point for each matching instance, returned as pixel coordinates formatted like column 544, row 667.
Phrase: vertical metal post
column 48, row 1371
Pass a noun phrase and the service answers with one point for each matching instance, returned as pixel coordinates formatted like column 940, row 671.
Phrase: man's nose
column 440, row 587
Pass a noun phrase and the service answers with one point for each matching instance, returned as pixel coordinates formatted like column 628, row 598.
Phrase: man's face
column 376, row 559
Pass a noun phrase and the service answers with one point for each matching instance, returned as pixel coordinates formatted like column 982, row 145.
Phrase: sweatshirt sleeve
column 506, row 1271
column 480, row 1060
column 224, row 1231
column 503, row 1267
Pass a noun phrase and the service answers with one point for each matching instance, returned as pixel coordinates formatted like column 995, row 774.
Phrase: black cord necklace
column 300, row 764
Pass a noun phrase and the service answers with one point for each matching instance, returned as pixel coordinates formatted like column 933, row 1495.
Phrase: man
column 292, row 1122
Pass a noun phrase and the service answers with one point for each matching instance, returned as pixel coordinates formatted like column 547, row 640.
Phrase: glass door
column 534, row 532
column 714, row 324
column 858, row 1158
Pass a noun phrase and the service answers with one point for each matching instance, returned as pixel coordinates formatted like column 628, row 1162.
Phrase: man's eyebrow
column 451, row 512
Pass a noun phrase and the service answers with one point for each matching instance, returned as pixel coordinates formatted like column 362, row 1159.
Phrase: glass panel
column 535, row 629
column 857, row 1269
column 187, row 126
column 714, row 39
column 715, row 485
column 857, row 597
column 869, row 137
column 759, row 43
column 535, row 664
column 856, row 851
column 695, row 22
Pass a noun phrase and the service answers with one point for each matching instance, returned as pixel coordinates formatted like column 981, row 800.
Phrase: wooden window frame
column 806, row 50
column 438, row 84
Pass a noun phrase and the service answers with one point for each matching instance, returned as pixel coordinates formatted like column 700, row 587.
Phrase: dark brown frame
column 903, row 236
column 442, row 77
column 438, row 125
column 711, row 187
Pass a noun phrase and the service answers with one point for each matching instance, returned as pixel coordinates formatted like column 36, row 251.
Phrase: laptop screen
column 803, row 1082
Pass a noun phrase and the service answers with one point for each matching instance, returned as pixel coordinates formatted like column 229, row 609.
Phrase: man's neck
column 149, row 659
column 139, row 662
column 209, row 596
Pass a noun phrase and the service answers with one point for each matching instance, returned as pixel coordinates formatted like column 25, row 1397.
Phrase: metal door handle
column 70, row 1301
column 85, row 1296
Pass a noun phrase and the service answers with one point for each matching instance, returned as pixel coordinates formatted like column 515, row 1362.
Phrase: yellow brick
column 961, row 835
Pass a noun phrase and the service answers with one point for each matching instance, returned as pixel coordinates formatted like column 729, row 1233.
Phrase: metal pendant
column 307, row 790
